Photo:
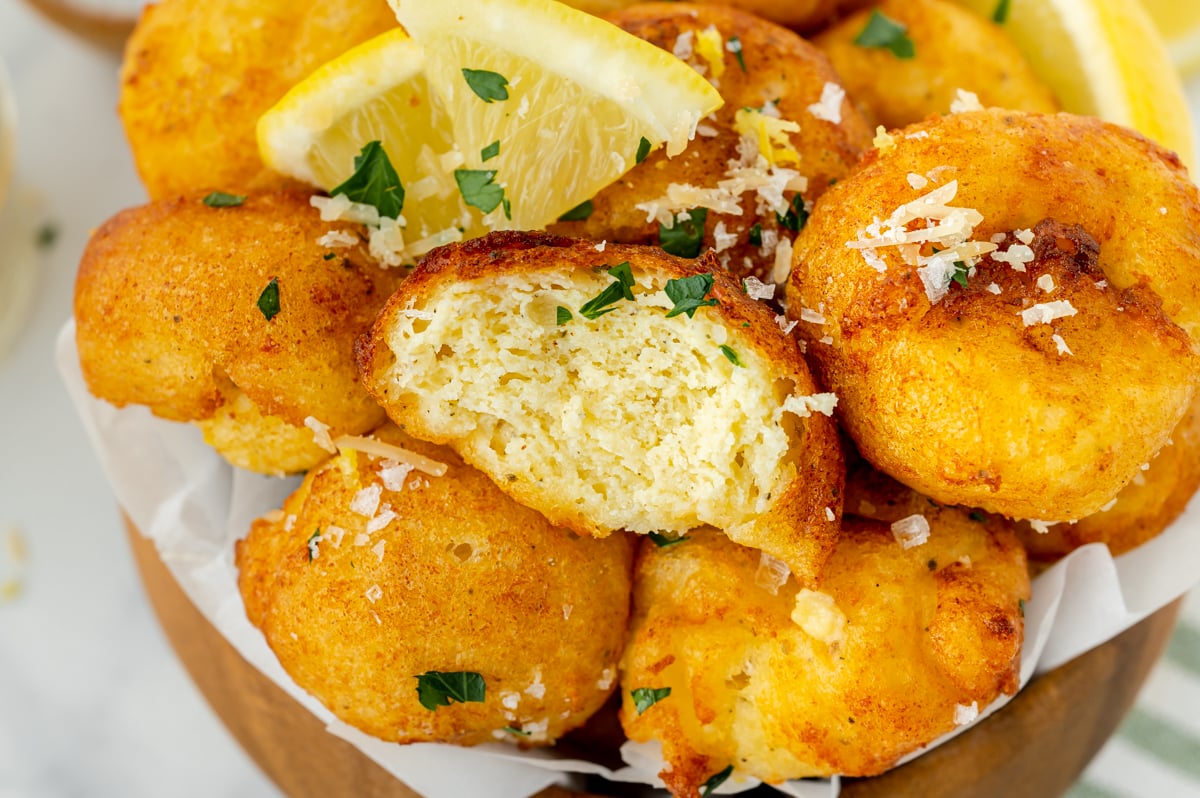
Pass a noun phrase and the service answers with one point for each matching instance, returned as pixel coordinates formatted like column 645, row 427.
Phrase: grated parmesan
column 378, row 549
column 366, row 501
column 1046, row 312
column 377, row 448
column 320, row 433
column 1063, row 349
column 385, row 517
column 1046, row 283
column 911, row 532
column 393, row 473
column 374, row 593
column 805, row 406
column 757, row 289
column 783, row 261
column 829, row 107
column 785, row 325
column 965, row 101
column 819, row 616
column 772, row 574
column 966, row 714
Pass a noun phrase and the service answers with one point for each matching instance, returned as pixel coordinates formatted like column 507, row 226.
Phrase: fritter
column 552, row 365
column 237, row 318
column 374, row 576
column 729, row 665
column 948, row 42
column 1002, row 303
column 198, row 74
column 755, row 165
column 1142, row 510
column 805, row 15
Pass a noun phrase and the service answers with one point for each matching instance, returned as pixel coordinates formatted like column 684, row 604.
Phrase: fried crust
column 793, row 525
column 927, row 629
column 961, row 399
column 461, row 579
column 166, row 312
column 779, row 65
column 949, row 43
column 198, row 74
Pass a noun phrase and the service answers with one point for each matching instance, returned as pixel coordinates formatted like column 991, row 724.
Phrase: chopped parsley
column 507, row 208
column 563, row 315
column 479, row 190
column 313, row 540
column 662, row 541
column 515, row 730
column 490, row 151
column 219, row 199
column 268, row 300
column 1000, row 15
column 577, row 214
column 755, row 236
column 615, row 292
column 734, row 45
column 977, row 517
column 488, row 86
column 47, row 234
column 715, row 781
column 688, row 294
column 646, row 697
column 1021, row 607
column 685, row 236
column 329, row 256
column 732, row 356
column 374, row 182
column 437, row 689
column 796, row 216
column 961, row 272
column 883, row 32
column 642, row 151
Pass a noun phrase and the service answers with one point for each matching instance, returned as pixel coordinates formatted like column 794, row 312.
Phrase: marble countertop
column 92, row 701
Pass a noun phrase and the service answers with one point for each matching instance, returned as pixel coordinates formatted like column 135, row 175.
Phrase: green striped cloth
column 1156, row 751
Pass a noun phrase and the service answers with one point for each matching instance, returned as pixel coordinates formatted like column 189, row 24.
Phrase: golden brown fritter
column 953, row 49
column 1145, row 507
column 621, row 418
column 167, row 315
column 1039, row 388
column 372, row 576
column 782, row 72
column 198, row 73
column 780, row 682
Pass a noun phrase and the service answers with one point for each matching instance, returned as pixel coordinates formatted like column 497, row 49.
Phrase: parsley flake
column 563, row 315
column 437, row 689
column 1021, row 607
column 313, row 540
column 515, row 730
column 488, row 86
column 47, row 234
column 374, row 182
column 734, row 45
column 219, row 199
column 883, row 32
column 732, row 356
column 490, row 151
column 478, row 189
column 796, row 216
column 1000, row 15
column 662, row 541
column 329, row 256
column 755, row 236
column 615, row 292
column 268, row 300
column 961, row 272
column 685, row 236
column 577, row 214
column 688, row 294
column 715, row 781
column 977, row 517
column 642, row 151
column 646, row 697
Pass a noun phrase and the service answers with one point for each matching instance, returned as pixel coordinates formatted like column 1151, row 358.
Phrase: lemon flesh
column 1179, row 23
column 1104, row 58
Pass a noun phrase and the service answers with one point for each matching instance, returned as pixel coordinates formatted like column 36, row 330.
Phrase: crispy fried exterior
column 630, row 420
column 804, row 15
column 1146, row 506
column 166, row 312
column 960, row 399
column 198, row 74
column 779, row 66
column 461, row 579
column 926, row 629
column 954, row 49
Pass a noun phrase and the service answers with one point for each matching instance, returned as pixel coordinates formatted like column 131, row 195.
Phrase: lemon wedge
column 1179, row 23
column 1105, row 58
column 495, row 114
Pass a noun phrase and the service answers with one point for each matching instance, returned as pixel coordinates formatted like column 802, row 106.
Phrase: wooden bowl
column 1037, row 745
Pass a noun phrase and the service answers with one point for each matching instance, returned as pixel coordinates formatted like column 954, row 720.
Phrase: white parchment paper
column 193, row 505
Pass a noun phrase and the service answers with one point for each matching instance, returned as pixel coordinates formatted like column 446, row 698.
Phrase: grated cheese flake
column 374, row 593
column 393, row 473
column 1046, row 312
column 1024, row 235
column 772, row 574
column 757, row 289
column 770, row 134
column 722, row 239
column 829, row 107
column 1046, row 283
column 1015, row 256
column 366, row 501
column 378, row 549
column 378, row 448
column 785, row 324
column 1063, row 349
column 966, row 714
column 805, row 406
column 320, row 433
column 917, row 181
column 783, row 261
column 818, row 615
column 385, row 517
column 812, row 316
column 884, row 142
column 965, row 101
column 993, row 288
column 1041, row 527
column 911, row 532
column 337, row 239
column 829, row 516
column 683, row 48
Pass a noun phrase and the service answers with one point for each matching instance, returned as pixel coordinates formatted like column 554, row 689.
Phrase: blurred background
column 92, row 701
